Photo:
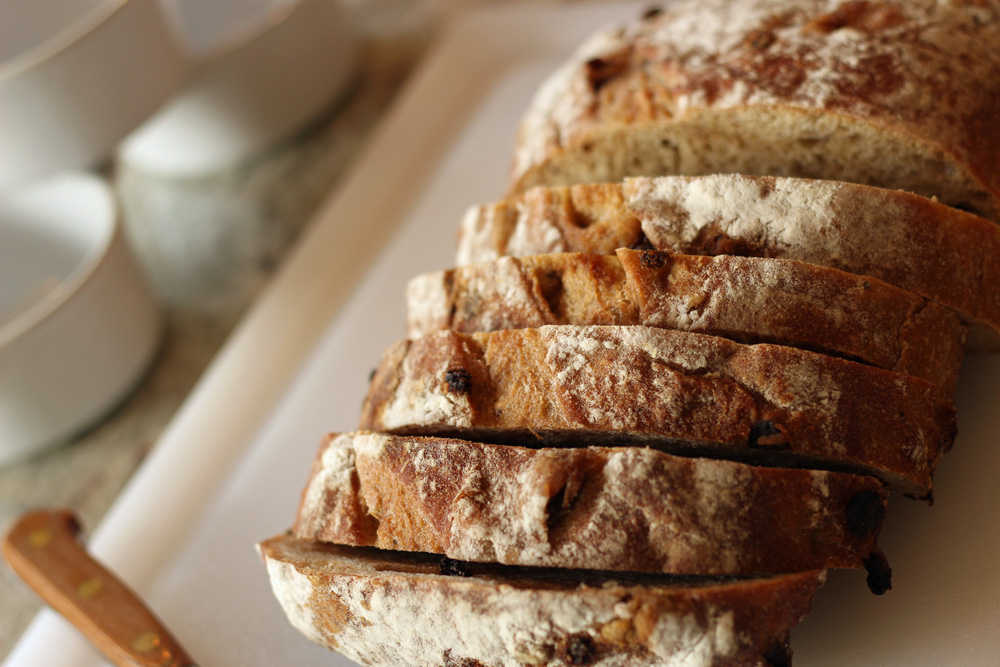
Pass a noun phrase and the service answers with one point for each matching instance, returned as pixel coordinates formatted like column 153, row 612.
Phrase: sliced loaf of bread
column 918, row 245
column 679, row 391
column 619, row 509
column 748, row 299
column 577, row 486
column 397, row 609
column 894, row 94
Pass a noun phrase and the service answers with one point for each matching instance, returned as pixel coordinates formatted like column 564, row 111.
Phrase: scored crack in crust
column 896, row 94
column 680, row 391
column 942, row 254
column 748, row 299
column 621, row 509
column 387, row 608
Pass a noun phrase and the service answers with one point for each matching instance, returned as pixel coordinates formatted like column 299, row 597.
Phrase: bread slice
column 388, row 609
column 748, row 299
column 679, row 391
column 895, row 94
column 939, row 253
column 617, row 509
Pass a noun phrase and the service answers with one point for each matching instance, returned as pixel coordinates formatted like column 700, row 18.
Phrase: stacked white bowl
column 206, row 84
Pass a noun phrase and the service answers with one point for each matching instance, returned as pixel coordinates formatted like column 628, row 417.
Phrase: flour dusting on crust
column 920, row 73
column 630, row 508
column 495, row 620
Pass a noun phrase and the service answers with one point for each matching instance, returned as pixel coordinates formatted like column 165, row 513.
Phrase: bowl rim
column 45, row 308
column 277, row 13
column 63, row 39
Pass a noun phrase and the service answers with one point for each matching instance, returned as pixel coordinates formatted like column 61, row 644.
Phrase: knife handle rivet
column 90, row 588
column 146, row 642
column 40, row 538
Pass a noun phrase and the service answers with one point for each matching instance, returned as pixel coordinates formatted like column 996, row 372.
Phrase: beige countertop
column 261, row 205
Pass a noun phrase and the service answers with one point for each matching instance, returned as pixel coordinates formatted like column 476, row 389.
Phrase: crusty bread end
column 391, row 609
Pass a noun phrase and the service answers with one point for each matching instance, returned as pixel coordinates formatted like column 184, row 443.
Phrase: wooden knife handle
column 44, row 549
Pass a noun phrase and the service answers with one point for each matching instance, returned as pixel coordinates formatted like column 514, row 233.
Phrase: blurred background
column 158, row 158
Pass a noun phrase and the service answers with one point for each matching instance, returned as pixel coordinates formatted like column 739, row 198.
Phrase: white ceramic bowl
column 77, row 76
column 266, row 68
column 78, row 325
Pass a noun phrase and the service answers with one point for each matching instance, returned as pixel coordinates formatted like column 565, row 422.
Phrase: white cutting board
column 229, row 470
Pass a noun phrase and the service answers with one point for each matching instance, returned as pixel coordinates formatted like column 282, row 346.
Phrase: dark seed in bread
column 580, row 650
column 459, row 380
column 453, row 568
column 653, row 259
column 879, row 573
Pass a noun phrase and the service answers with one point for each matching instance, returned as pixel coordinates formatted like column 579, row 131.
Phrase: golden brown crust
column 387, row 608
column 896, row 94
column 748, row 299
column 640, row 386
column 915, row 244
column 621, row 509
